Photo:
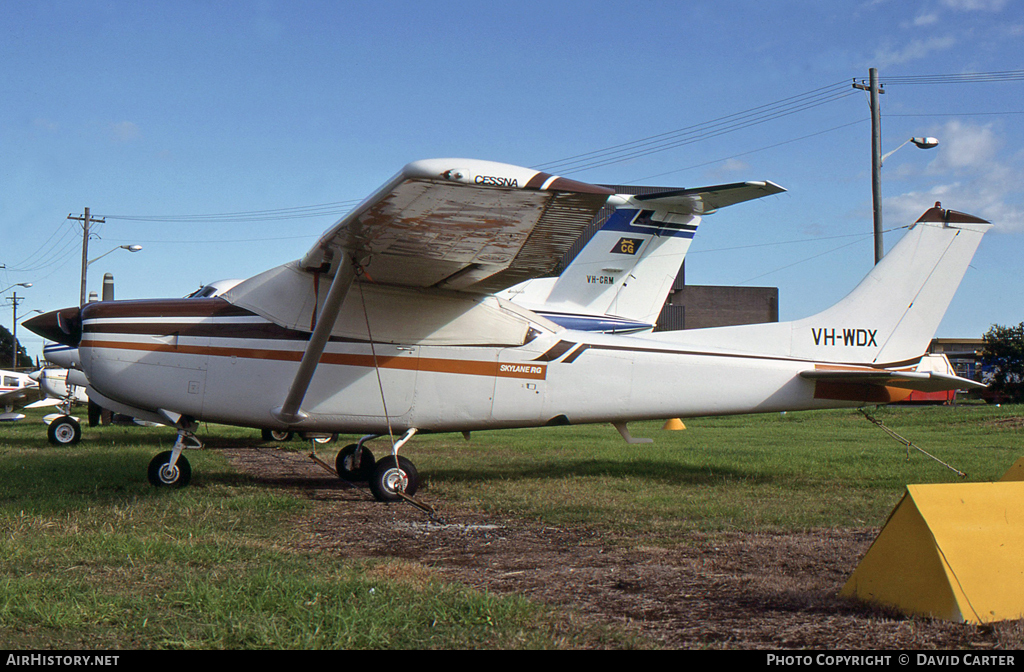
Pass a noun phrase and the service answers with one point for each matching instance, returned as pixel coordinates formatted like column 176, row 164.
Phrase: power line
column 649, row 145
column 695, row 133
column 958, row 78
column 300, row 212
column 955, row 114
column 46, row 253
column 179, row 241
column 752, row 151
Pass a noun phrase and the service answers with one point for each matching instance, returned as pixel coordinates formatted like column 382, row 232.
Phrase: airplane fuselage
column 213, row 361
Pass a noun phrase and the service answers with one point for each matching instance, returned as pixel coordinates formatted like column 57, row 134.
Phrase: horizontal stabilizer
column 705, row 200
column 927, row 381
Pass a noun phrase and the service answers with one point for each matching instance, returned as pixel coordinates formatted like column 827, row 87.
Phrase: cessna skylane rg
column 390, row 325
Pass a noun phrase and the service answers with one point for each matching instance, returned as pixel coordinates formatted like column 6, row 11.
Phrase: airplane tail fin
column 889, row 318
column 627, row 269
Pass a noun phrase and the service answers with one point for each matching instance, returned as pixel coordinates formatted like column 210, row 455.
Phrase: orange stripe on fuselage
column 470, row 367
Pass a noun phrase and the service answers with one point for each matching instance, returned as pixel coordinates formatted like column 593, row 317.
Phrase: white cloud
column 964, row 147
column 728, row 167
column 916, row 50
column 46, row 125
column 125, row 131
column 926, row 19
column 975, row 5
column 980, row 182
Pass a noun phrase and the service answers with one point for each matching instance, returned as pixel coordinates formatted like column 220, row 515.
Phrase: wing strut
column 290, row 412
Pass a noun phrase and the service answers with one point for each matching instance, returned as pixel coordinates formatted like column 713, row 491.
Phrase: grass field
column 92, row 556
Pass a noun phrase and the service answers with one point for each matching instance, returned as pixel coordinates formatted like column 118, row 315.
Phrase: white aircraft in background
column 619, row 281
column 390, row 326
column 15, row 387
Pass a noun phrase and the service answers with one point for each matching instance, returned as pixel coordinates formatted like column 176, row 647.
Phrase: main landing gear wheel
column 163, row 475
column 388, row 480
column 320, row 438
column 64, row 431
column 275, row 435
column 345, row 465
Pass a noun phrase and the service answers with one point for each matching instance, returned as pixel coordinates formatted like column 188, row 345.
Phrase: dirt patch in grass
column 729, row 591
column 1015, row 422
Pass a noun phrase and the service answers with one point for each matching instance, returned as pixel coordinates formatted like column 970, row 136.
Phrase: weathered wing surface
column 461, row 224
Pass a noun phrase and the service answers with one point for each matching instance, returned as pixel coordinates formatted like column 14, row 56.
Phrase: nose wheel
column 165, row 474
column 64, row 431
column 170, row 469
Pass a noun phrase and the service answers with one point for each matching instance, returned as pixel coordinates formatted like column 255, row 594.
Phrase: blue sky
column 153, row 114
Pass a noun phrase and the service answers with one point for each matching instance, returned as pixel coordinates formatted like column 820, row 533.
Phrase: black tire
column 386, row 476
column 162, row 477
column 64, row 431
column 276, row 435
column 343, row 464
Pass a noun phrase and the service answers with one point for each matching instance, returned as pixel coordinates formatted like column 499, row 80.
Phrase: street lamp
column 85, row 268
column 921, row 143
column 875, row 89
column 876, row 183
column 20, row 284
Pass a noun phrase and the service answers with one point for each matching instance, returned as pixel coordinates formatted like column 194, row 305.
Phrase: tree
column 6, row 340
column 1003, row 361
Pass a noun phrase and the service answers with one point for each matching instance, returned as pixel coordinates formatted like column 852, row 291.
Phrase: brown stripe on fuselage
column 214, row 307
column 408, row 363
column 264, row 330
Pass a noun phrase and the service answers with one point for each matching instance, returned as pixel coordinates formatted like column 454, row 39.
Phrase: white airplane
column 58, row 390
column 390, row 326
column 15, row 387
column 619, row 281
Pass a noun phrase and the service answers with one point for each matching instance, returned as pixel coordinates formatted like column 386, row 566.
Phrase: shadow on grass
column 668, row 473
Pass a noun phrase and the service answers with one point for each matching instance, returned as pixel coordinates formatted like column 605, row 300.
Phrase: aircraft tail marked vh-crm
column 619, row 281
column 391, row 325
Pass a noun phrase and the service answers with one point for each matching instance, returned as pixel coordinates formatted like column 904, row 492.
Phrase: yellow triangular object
column 949, row 551
column 674, row 423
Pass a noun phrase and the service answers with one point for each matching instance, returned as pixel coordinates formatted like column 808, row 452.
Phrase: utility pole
column 14, row 330
column 876, row 156
column 86, row 221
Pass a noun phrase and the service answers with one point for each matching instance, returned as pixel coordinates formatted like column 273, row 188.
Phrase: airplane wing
column 461, row 224
column 921, row 381
column 705, row 200
column 457, row 224
column 9, row 397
